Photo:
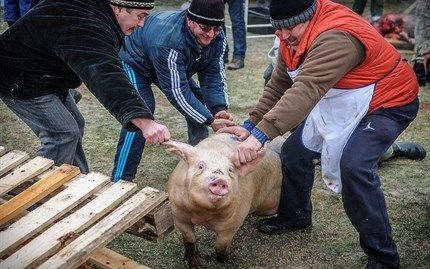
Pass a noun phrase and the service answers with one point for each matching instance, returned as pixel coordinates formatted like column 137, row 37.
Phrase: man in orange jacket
column 351, row 94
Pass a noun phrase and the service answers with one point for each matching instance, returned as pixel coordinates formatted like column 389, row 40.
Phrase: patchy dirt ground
column 331, row 244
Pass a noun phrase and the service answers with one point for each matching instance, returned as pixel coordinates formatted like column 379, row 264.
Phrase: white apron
column 331, row 123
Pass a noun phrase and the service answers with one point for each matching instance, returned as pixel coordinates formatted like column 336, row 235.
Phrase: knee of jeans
column 292, row 157
column 349, row 165
column 81, row 126
column 71, row 135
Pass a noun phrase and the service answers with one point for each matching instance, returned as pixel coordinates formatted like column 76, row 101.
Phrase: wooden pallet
column 55, row 217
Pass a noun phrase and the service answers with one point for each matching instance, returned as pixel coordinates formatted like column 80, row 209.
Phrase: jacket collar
column 116, row 27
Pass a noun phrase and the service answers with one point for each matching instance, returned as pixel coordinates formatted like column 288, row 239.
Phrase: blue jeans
column 131, row 144
column 15, row 9
column 236, row 11
column 58, row 125
column 362, row 197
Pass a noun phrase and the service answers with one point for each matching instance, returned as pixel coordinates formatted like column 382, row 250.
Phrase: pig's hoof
column 194, row 263
column 222, row 256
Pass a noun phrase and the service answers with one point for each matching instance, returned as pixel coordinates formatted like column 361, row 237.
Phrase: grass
column 333, row 243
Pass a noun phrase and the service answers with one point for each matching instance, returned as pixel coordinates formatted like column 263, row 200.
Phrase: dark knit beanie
column 289, row 13
column 207, row 12
column 143, row 4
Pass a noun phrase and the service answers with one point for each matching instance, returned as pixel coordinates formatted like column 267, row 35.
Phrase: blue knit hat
column 289, row 13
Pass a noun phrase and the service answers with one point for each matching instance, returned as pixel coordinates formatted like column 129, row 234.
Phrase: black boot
column 372, row 263
column 273, row 226
column 409, row 150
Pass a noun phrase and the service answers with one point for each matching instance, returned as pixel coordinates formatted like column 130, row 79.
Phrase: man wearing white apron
column 351, row 95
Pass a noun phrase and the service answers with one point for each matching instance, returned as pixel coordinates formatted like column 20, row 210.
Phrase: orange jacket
column 395, row 81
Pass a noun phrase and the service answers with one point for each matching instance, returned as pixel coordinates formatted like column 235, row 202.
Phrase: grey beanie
column 140, row 4
column 289, row 13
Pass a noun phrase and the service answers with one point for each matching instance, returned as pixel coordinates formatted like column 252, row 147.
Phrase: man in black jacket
column 55, row 47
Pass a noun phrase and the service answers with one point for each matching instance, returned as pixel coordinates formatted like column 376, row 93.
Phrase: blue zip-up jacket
column 165, row 52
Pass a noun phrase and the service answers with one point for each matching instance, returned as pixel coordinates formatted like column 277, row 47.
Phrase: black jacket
column 60, row 43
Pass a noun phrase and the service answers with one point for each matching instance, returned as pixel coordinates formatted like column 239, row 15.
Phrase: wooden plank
column 108, row 259
column 20, row 215
column 2, row 150
column 24, row 172
column 400, row 44
column 38, row 219
column 407, row 52
column 12, row 159
column 36, row 192
column 59, row 234
column 156, row 224
column 104, row 231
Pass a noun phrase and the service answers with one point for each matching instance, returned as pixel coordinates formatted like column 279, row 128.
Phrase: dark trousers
column 131, row 144
column 57, row 123
column 362, row 196
column 376, row 7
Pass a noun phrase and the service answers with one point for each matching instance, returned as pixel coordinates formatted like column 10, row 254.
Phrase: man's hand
column 247, row 151
column 238, row 131
column 224, row 115
column 220, row 123
column 152, row 131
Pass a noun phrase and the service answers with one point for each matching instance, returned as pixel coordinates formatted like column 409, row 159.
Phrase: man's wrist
column 261, row 137
column 248, row 125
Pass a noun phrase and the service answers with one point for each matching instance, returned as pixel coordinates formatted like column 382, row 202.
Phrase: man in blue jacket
column 168, row 51
column 55, row 47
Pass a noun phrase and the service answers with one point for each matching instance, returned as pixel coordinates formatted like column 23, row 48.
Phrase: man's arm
column 97, row 63
column 170, row 68
column 212, row 80
column 332, row 55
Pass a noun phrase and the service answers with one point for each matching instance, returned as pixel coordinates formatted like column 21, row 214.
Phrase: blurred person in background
column 238, row 28
column 376, row 9
column 15, row 9
column 422, row 42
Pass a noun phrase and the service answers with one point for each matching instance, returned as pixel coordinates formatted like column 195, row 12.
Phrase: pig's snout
column 218, row 187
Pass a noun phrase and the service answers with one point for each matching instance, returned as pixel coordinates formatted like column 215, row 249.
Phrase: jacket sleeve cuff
column 129, row 126
column 268, row 128
column 218, row 109
column 248, row 125
column 209, row 121
column 261, row 137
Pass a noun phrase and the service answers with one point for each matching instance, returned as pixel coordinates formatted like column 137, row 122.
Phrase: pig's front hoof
column 194, row 262
column 223, row 256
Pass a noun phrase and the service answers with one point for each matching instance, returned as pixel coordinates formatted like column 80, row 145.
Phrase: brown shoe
column 236, row 64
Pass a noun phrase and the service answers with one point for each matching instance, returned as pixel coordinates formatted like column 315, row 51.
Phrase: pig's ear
column 180, row 149
column 249, row 167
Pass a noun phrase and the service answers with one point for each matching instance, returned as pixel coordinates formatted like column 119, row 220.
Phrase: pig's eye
column 201, row 165
column 231, row 169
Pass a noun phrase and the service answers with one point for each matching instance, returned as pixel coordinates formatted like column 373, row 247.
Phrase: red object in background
column 392, row 26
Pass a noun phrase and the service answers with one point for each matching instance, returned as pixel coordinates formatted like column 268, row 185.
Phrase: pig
column 206, row 189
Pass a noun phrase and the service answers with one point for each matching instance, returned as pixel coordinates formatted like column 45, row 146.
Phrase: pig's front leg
column 189, row 239
column 222, row 245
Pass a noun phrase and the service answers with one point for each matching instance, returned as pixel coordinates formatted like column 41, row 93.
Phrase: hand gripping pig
column 206, row 189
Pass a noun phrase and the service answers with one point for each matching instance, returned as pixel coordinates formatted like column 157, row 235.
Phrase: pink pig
column 206, row 189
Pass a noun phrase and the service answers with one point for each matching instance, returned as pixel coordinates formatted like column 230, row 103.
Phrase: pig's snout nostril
column 218, row 187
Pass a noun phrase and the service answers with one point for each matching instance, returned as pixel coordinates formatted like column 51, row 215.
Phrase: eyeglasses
column 207, row 28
